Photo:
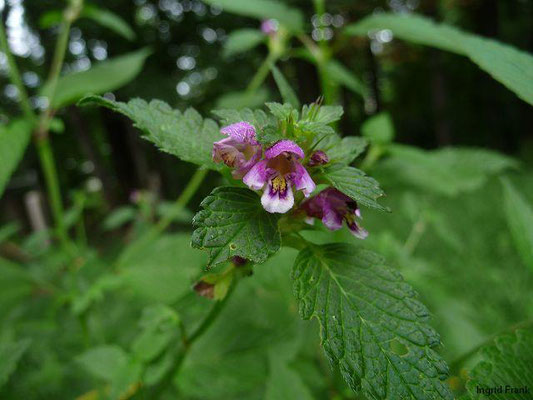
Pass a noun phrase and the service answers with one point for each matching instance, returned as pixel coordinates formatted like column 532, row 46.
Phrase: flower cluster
column 278, row 171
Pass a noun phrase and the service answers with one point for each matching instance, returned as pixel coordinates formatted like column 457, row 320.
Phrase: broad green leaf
column 103, row 362
column 165, row 270
column 185, row 135
column 119, row 217
column 242, row 40
column 283, row 382
column 510, row 66
column 291, row 18
column 372, row 326
column 108, row 20
column 159, row 325
column 10, row 353
column 14, row 138
column 346, row 150
column 378, row 129
column 287, row 92
column 447, row 171
column 234, row 223
column 356, row 184
column 258, row 118
column 281, row 111
column 520, row 220
column 507, row 362
column 343, row 76
column 103, row 77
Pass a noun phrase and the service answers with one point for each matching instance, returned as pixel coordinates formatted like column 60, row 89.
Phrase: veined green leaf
column 185, row 135
column 234, row 223
column 346, row 150
column 510, row 66
column 263, row 9
column 520, row 220
column 287, row 92
column 242, row 40
column 103, row 77
column 372, row 326
column 507, row 362
column 356, row 184
column 14, row 138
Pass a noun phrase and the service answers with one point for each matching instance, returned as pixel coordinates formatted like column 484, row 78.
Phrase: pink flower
column 277, row 174
column 333, row 207
column 240, row 150
column 269, row 26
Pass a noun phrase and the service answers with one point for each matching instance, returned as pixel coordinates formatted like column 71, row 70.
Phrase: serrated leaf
column 14, row 138
column 378, row 129
column 343, row 76
column 234, row 223
column 519, row 216
column 108, row 20
column 347, row 149
column 242, row 40
column 329, row 114
column 447, row 171
column 185, row 135
column 292, row 18
column 372, row 326
column 281, row 111
column 103, row 77
column 287, row 92
column 10, row 353
column 356, row 184
column 510, row 66
column 508, row 362
column 258, row 118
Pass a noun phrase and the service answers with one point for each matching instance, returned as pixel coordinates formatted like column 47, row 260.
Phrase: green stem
column 415, row 235
column 261, row 74
column 48, row 166
column 14, row 75
column 178, row 206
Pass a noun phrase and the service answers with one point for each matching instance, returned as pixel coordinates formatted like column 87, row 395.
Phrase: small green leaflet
column 234, row 223
column 356, row 184
column 372, row 326
column 508, row 362
column 103, row 77
column 185, row 135
column 14, row 139
column 287, row 92
column 242, row 40
column 510, row 66
column 519, row 216
column 291, row 18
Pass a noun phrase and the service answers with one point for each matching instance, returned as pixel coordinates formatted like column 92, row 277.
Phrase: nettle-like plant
column 288, row 171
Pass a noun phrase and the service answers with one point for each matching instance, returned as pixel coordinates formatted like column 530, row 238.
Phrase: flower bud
column 318, row 158
column 205, row 289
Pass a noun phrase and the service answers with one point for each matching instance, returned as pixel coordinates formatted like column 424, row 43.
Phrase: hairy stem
column 14, row 75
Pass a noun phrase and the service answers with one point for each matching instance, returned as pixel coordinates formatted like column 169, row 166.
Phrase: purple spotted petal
column 301, row 179
column 241, row 131
column 357, row 230
column 244, row 167
column 258, row 176
column 277, row 201
column 331, row 218
column 284, row 146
